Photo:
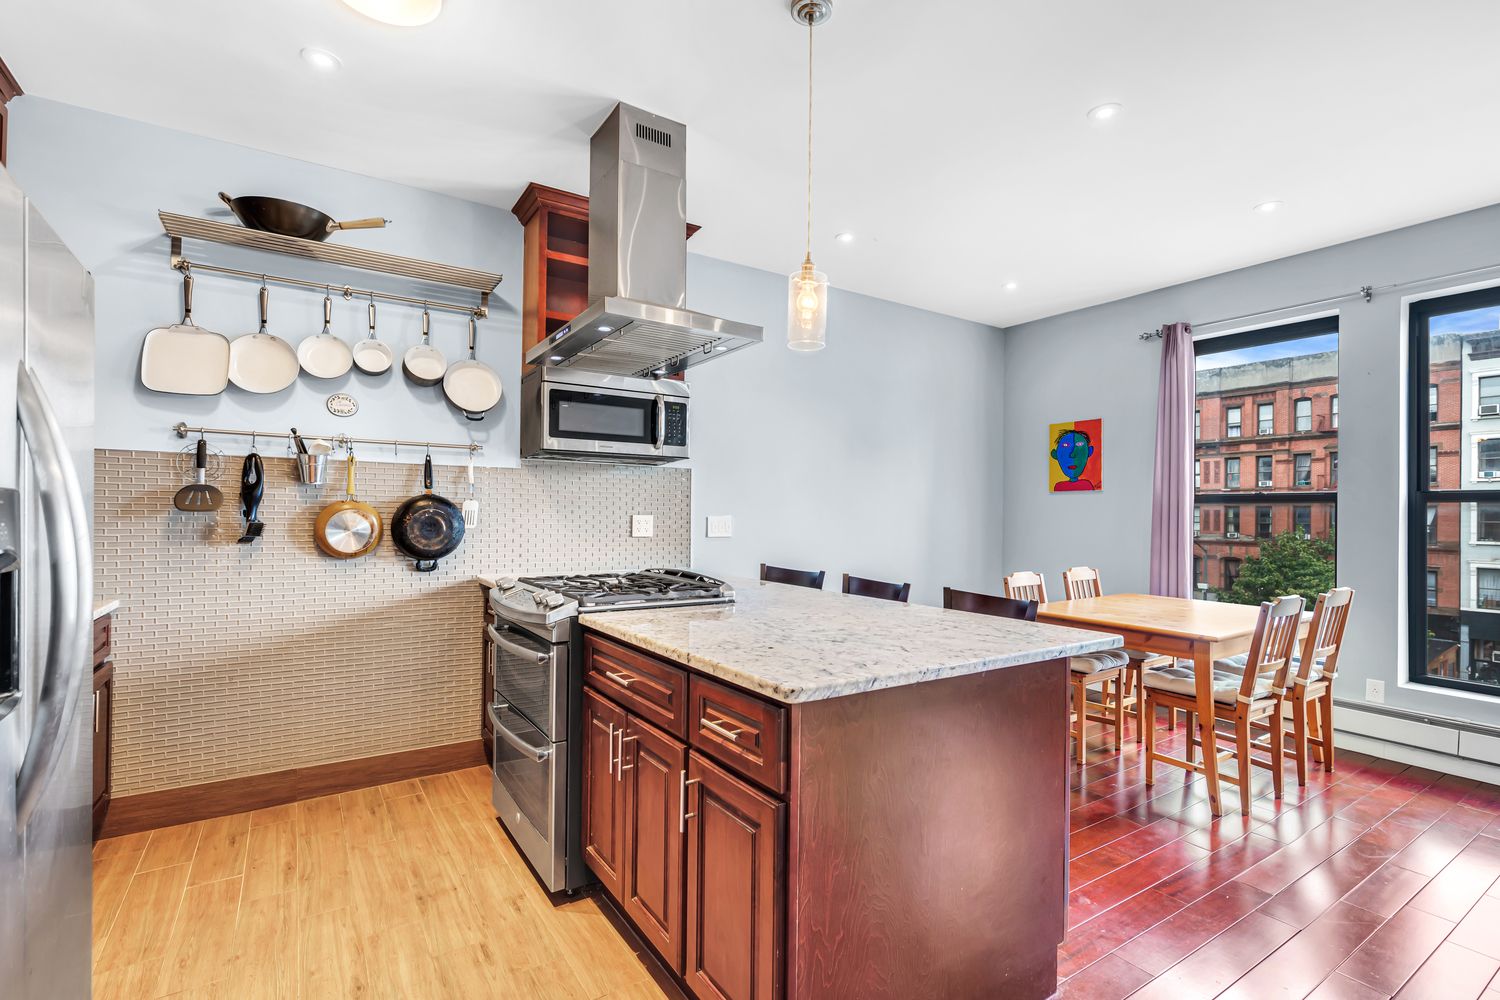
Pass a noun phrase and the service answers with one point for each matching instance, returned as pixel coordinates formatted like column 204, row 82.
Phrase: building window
column 1231, row 572
column 1265, row 420
column 1262, row 522
column 1303, row 411
column 1487, row 457
column 1197, row 475
column 1197, row 424
column 1262, row 472
column 1487, row 523
column 1302, row 521
column 1333, row 468
column 1333, row 412
column 1432, row 588
column 1432, row 465
column 1487, row 588
column 1432, row 403
column 1232, row 422
column 1197, row 520
column 1489, row 396
column 1231, row 520
column 1301, row 470
column 1197, row 567
column 1232, row 473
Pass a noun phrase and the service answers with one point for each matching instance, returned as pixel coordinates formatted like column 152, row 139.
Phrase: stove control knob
column 506, row 583
column 555, row 601
column 539, row 598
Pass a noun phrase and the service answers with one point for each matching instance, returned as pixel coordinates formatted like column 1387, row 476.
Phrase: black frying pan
column 427, row 527
column 287, row 218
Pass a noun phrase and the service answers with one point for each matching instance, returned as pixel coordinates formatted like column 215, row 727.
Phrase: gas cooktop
column 549, row 599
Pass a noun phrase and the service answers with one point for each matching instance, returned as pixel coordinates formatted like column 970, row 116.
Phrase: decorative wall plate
column 341, row 404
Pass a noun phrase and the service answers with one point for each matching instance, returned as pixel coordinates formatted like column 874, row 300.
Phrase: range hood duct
column 637, row 322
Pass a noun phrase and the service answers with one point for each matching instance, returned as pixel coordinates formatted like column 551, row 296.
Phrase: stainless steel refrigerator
column 46, row 607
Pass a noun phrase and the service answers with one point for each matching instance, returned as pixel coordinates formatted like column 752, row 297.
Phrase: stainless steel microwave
column 592, row 417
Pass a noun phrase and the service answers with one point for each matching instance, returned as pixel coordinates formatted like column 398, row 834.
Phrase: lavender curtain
column 1172, row 498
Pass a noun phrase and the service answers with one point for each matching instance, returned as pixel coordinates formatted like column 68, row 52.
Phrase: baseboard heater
column 1459, row 738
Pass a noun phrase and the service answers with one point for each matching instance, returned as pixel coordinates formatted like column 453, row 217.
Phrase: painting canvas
column 1075, row 456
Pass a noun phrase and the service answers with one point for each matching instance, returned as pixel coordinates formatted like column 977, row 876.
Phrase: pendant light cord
column 809, row 132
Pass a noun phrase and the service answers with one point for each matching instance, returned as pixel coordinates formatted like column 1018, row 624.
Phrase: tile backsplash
column 235, row 659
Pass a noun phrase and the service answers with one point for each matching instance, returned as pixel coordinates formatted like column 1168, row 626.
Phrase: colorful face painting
column 1075, row 457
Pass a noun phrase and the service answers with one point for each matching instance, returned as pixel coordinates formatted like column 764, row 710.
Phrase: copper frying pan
column 348, row 529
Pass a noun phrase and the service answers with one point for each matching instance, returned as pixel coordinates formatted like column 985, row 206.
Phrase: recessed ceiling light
column 844, row 237
column 1267, row 207
column 1010, row 286
column 401, row 13
column 321, row 60
column 1104, row 112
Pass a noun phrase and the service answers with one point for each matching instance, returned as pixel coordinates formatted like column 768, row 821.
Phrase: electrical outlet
column 720, row 526
column 1375, row 691
column 642, row 525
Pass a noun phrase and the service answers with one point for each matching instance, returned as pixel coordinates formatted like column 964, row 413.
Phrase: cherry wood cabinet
column 654, row 767
column 103, row 708
column 9, row 89
column 603, row 791
column 487, row 681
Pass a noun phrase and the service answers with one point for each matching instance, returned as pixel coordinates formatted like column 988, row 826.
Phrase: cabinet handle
column 682, row 814
column 620, row 766
column 96, row 712
column 624, row 680
column 611, row 748
column 721, row 729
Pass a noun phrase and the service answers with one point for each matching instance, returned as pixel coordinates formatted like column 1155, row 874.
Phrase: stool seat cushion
column 1093, row 663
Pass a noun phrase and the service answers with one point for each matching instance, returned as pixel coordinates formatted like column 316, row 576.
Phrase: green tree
column 1288, row 564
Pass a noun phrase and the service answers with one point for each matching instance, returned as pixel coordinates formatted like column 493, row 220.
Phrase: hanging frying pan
column 185, row 358
column 373, row 356
column 262, row 362
column 424, row 364
column 347, row 529
column 471, row 385
column 427, row 527
column 287, row 218
column 323, row 355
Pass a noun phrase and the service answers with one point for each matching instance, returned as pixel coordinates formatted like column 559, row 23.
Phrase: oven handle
column 538, row 754
column 661, row 422
column 515, row 647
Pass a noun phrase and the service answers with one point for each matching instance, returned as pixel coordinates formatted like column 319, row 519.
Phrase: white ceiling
column 951, row 134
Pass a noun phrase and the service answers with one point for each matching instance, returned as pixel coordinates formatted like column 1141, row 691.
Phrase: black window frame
column 1422, row 493
column 1269, row 513
column 1296, row 460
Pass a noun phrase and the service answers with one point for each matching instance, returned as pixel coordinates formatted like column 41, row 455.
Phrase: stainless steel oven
column 592, row 417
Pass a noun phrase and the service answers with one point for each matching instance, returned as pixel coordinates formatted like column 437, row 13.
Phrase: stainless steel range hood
column 637, row 321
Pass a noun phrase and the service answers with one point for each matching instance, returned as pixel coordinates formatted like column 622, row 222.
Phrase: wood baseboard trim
column 169, row 807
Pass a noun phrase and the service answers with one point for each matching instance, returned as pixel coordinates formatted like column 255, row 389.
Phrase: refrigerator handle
column 69, row 550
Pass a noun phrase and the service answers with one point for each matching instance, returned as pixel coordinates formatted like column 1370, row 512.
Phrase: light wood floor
column 408, row 890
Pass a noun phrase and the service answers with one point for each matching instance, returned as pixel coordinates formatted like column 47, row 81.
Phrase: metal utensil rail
column 183, row 430
column 348, row 291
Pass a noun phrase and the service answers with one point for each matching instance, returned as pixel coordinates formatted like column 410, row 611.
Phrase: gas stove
column 546, row 600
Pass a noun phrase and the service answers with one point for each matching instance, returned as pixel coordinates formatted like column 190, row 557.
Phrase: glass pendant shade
column 807, row 308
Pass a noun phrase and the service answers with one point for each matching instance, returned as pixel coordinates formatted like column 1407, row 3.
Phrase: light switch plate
column 720, row 526
column 1375, row 691
column 642, row 525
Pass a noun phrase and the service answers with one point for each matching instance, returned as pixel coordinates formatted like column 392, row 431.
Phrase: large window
column 1454, row 477
column 1279, row 472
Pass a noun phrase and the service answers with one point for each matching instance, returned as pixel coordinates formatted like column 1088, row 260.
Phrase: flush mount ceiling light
column 321, row 60
column 1268, row 207
column 1010, row 286
column 1104, row 112
column 807, row 288
column 401, row 13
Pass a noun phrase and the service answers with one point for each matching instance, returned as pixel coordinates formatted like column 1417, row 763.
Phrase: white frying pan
column 424, row 364
column 262, row 362
column 471, row 385
column 185, row 358
column 371, row 355
column 324, row 355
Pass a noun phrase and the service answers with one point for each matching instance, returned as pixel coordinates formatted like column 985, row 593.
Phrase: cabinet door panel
column 735, row 887
column 654, row 769
column 603, row 817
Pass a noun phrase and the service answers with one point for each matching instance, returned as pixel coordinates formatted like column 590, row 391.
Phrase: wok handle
column 427, row 474
column 226, row 200
column 358, row 224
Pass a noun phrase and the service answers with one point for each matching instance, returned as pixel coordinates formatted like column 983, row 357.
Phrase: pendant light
column 807, row 288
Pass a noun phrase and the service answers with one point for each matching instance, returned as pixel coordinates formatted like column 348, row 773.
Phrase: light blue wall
column 1090, row 363
column 880, row 455
column 100, row 180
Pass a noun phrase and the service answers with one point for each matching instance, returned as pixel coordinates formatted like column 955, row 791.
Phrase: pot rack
column 180, row 227
column 183, row 430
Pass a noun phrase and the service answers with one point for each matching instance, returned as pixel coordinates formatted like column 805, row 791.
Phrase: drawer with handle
column 102, row 628
column 740, row 731
column 656, row 691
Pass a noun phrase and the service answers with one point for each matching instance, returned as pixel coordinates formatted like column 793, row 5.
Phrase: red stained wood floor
column 1376, row 880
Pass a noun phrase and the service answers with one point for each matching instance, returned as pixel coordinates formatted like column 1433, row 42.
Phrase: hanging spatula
column 471, row 505
column 252, row 491
column 198, row 495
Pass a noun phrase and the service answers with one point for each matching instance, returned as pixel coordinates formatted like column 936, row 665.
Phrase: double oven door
column 537, row 782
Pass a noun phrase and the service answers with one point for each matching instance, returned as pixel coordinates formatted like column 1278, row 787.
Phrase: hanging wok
column 287, row 218
column 427, row 527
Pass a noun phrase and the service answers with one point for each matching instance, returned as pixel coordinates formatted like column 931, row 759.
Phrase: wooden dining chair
column 1310, row 688
column 987, row 604
column 1081, row 583
column 1104, row 670
column 864, row 587
column 795, row 577
column 1238, row 699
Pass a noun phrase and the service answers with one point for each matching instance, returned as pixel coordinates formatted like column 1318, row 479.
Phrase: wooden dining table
column 1200, row 631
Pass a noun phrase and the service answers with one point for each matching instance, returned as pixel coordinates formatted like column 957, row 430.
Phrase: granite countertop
column 793, row 644
column 102, row 608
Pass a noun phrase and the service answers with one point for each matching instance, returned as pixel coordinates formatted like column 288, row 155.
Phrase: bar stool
column 876, row 588
column 795, row 577
column 1104, row 669
column 986, row 604
column 1081, row 583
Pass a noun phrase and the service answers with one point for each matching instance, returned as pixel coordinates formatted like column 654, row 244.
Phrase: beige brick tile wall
column 242, row 659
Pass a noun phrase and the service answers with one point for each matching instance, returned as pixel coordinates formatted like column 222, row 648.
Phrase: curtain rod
column 1366, row 292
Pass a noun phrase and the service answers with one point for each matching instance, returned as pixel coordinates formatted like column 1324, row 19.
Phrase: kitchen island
column 815, row 796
